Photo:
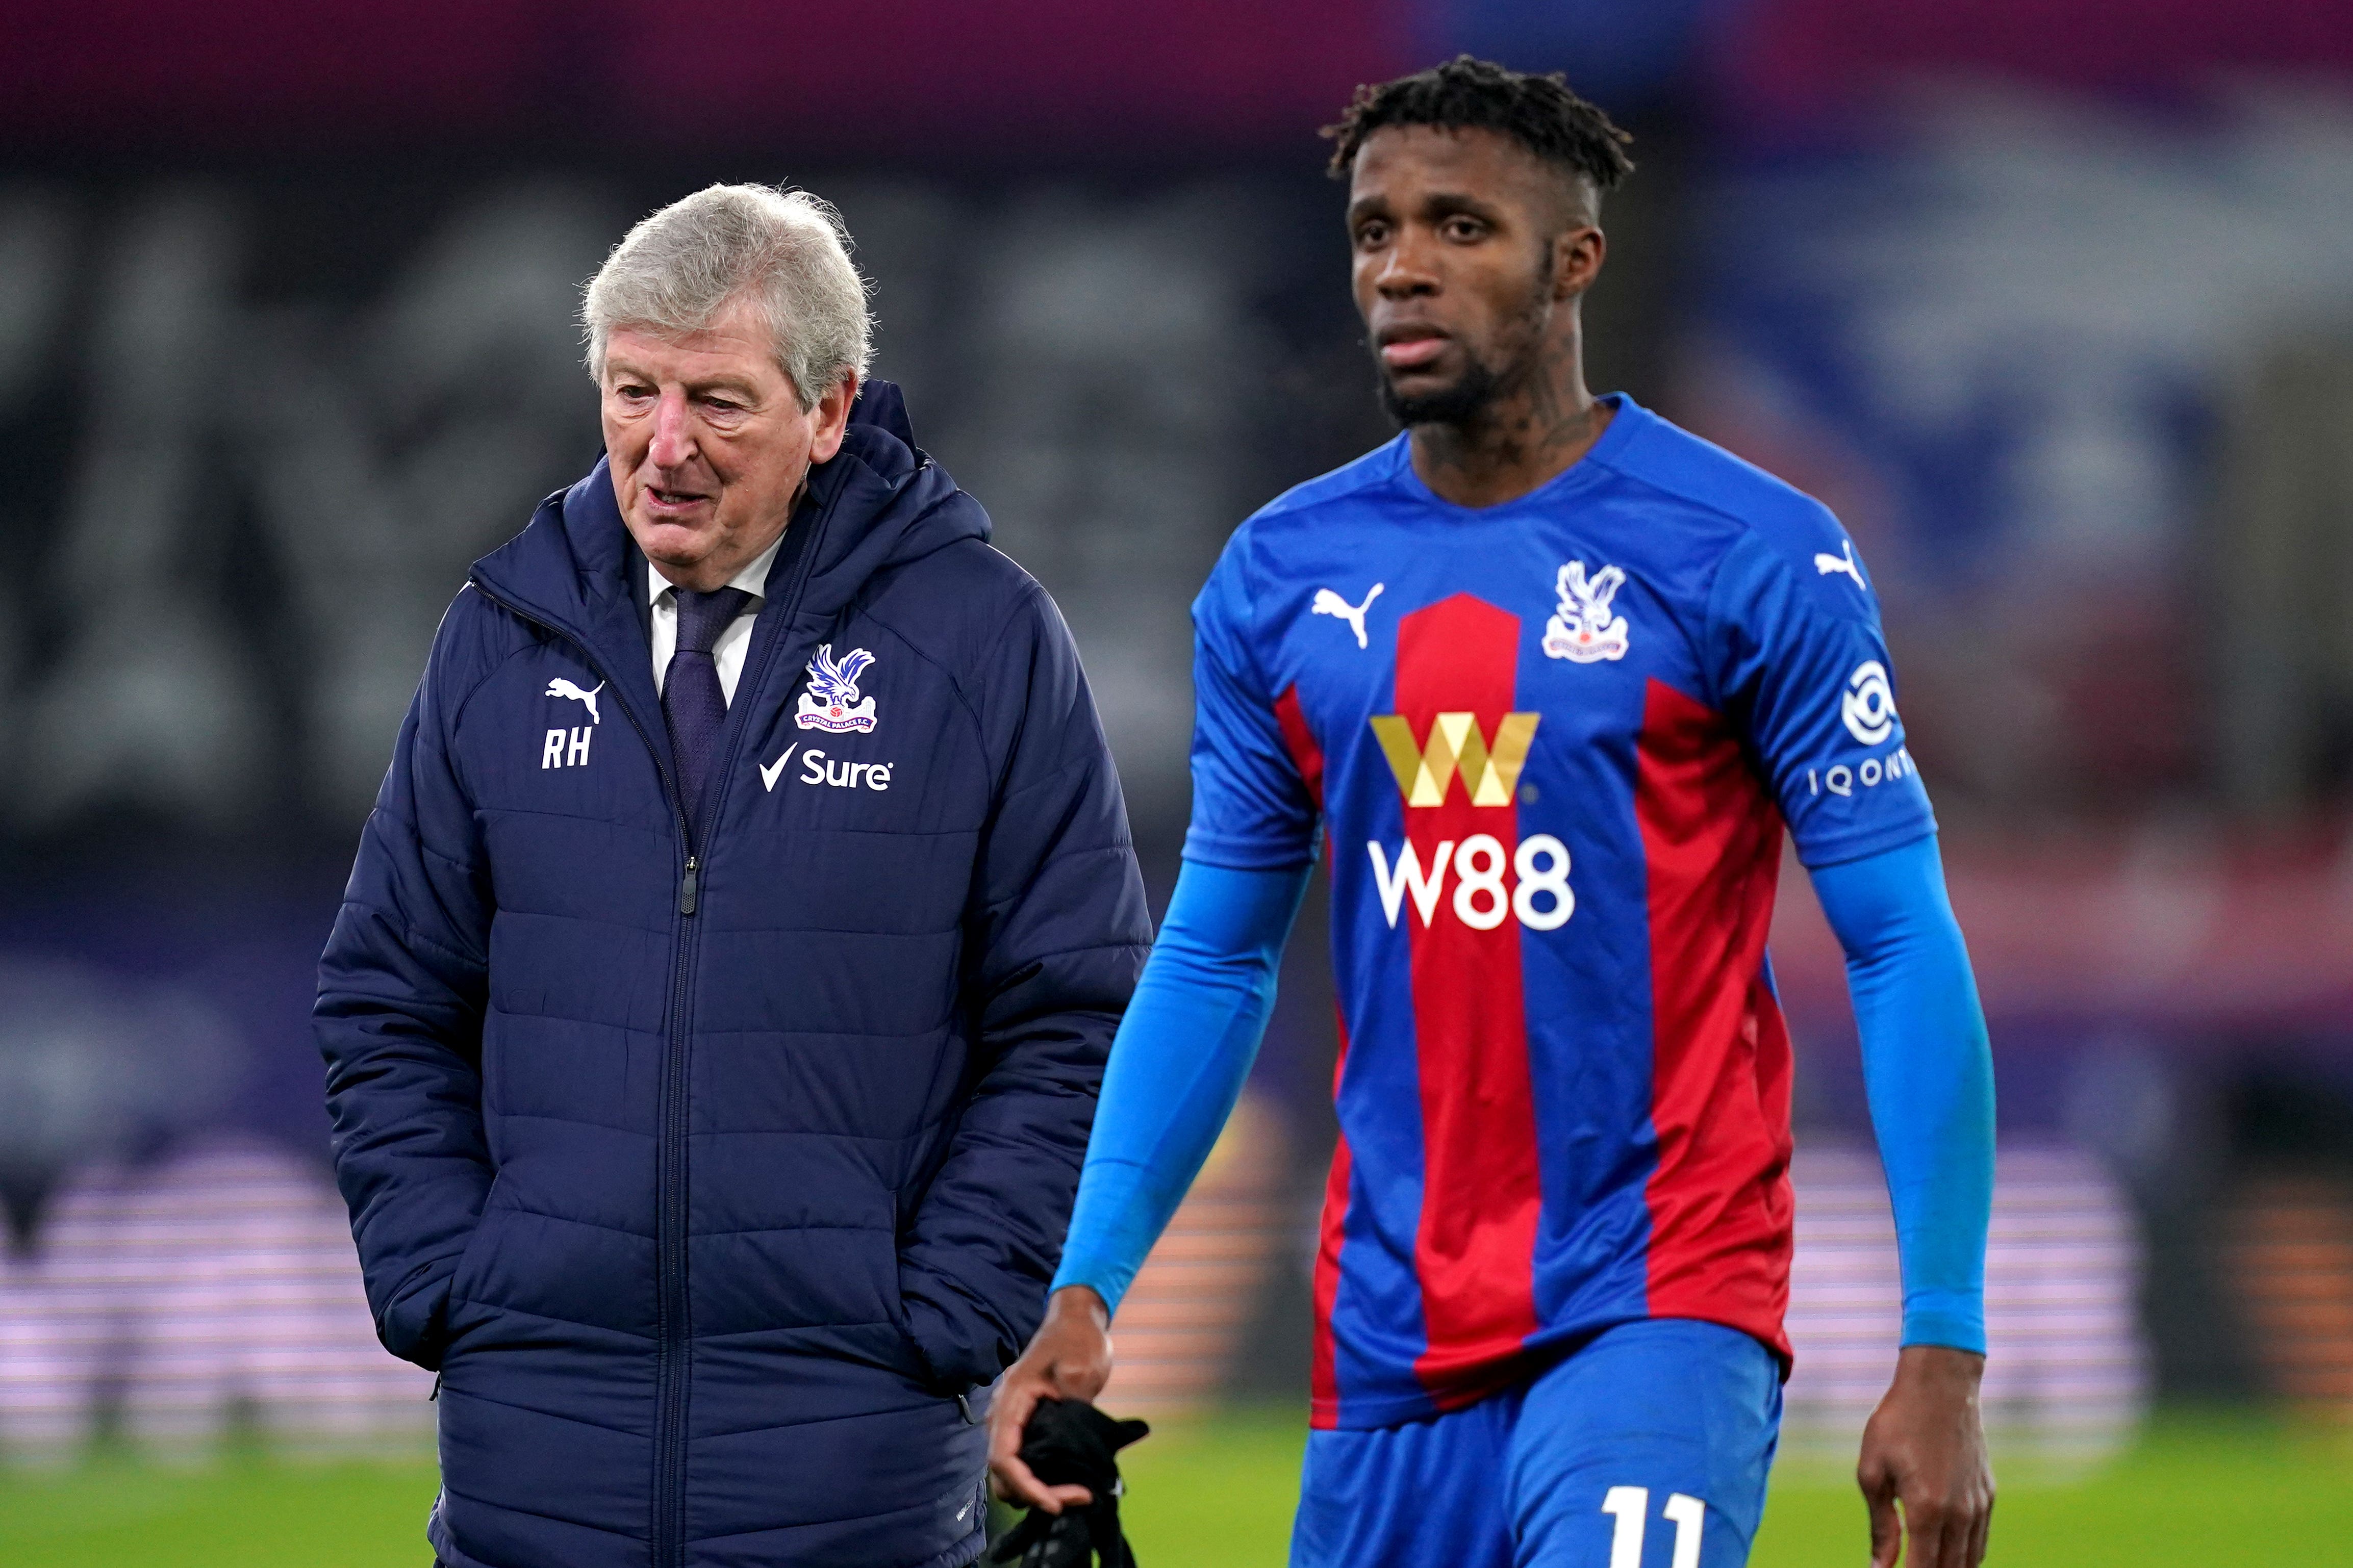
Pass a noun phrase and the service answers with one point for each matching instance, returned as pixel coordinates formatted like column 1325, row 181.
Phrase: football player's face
column 709, row 444
column 1469, row 255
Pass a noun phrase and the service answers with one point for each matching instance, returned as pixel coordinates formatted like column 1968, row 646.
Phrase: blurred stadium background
column 2052, row 299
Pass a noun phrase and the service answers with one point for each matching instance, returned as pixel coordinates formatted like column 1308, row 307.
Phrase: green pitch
column 2203, row 1491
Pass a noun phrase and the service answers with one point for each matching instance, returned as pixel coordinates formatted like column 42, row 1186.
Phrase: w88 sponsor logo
column 1538, row 895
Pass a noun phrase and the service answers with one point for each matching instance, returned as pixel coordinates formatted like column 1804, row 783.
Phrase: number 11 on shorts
column 1631, row 1506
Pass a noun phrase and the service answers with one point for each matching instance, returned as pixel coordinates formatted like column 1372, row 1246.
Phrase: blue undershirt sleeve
column 1928, row 1072
column 1177, row 1063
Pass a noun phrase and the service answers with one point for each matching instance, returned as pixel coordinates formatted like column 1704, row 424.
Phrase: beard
column 1460, row 403
column 1518, row 345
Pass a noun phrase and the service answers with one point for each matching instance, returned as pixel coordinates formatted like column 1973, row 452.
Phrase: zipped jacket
column 717, row 1173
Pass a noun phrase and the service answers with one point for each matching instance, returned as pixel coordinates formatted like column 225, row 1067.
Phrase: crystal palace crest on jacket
column 831, row 701
column 1585, row 630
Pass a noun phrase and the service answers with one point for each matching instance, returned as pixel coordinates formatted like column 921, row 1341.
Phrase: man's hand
column 1924, row 1448
column 1068, row 1359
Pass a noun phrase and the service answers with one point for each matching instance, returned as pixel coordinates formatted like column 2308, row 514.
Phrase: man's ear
column 833, row 417
column 1577, row 253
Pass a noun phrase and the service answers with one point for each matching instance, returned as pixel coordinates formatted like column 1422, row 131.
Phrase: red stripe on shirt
column 1323, row 1378
column 1305, row 754
column 1719, row 1199
column 1475, row 1247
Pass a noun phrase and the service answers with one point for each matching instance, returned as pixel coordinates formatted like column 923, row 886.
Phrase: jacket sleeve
column 399, row 1018
column 1056, row 932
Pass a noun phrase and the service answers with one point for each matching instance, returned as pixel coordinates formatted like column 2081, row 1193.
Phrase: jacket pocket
column 918, row 1366
column 468, row 1273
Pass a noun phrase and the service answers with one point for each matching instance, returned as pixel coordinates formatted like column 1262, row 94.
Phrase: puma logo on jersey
column 1328, row 603
column 1828, row 565
column 571, row 693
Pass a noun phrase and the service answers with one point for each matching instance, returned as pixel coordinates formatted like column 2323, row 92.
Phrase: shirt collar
column 753, row 579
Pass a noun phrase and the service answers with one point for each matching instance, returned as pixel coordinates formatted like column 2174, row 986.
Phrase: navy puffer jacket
column 716, row 1177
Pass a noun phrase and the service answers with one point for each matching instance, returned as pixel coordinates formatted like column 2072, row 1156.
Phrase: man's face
column 1466, row 247
column 708, row 443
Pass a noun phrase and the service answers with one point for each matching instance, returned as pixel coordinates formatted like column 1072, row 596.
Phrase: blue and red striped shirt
column 1554, row 745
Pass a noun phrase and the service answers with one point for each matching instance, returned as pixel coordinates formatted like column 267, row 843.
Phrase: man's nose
column 673, row 441
column 1404, row 272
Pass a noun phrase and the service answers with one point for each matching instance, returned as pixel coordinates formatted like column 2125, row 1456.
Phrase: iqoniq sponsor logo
column 1867, row 708
column 1868, row 704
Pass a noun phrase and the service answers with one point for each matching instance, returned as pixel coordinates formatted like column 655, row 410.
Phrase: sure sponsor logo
column 818, row 769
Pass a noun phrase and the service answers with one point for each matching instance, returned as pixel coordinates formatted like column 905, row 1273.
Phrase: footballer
column 1548, row 678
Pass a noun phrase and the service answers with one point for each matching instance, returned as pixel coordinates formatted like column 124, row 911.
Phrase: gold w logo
column 1425, row 773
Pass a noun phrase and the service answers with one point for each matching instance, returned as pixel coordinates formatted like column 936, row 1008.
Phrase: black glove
column 1070, row 1444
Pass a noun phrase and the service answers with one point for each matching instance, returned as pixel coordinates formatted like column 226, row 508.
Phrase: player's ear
column 1578, row 252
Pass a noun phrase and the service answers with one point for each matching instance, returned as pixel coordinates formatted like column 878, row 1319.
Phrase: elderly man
column 715, row 1015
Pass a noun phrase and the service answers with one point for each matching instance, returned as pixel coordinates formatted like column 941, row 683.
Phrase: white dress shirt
column 728, row 652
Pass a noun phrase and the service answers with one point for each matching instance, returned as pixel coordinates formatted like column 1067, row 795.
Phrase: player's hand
column 1924, row 1448
column 1068, row 1359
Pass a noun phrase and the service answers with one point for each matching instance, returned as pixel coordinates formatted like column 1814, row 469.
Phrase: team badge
column 831, row 701
column 1585, row 630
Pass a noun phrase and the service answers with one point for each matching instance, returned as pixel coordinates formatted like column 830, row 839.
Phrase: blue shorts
column 1645, row 1447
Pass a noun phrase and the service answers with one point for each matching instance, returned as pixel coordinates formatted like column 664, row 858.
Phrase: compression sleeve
column 1929, row 1073
column 1177, row 1063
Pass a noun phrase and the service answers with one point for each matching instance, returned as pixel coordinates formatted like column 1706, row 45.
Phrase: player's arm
column 1176, row 1070
column 1800, row 657
column 1928, row 1074
column 1189, row 1037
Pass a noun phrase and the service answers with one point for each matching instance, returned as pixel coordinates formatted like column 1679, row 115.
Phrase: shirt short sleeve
column 1803, row 667
column 1251, row 808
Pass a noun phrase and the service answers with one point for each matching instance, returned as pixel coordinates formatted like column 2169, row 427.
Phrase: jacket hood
column 879, row 502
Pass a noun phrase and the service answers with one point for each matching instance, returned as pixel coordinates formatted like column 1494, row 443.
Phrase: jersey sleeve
column 1803, row 669
column 1251, row 809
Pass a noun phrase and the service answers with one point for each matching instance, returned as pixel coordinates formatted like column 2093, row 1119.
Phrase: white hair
column 786, row 251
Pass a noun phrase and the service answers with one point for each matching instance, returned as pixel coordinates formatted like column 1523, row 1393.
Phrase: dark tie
column 693, row 702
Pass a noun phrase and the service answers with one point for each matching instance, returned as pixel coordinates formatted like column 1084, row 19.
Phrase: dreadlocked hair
column 1539, row 112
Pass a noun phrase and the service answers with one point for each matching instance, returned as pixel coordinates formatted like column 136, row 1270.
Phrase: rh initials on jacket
column 711, row 1172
